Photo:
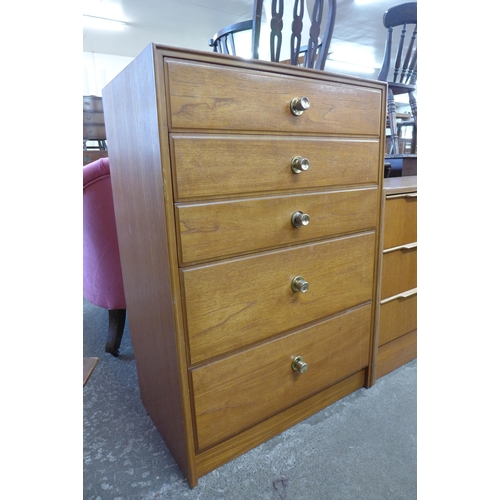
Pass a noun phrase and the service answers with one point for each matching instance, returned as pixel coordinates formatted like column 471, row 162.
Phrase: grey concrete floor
column 363, row 447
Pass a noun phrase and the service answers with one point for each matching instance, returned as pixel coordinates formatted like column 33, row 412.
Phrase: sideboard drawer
column 259, row 223
column 398, row 317
column 232, row 394
column 236, row 302
column 213, row 97
column 400, row 220
column 222, row 165
column 92, row 103
column 399, row 272
column 93, row 118
column 90, row 155
column 97, row 132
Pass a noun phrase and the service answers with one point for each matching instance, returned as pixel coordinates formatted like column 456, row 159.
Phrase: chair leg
column 391, row 111
column 115, row 330
column 413, row 107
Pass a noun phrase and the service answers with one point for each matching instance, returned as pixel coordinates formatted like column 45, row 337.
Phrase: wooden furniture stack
column 397, row 314
column 93, row 129
column 247, row 200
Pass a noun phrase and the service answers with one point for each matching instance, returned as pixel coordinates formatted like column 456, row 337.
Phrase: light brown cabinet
column 249, row 242
column 397, row 308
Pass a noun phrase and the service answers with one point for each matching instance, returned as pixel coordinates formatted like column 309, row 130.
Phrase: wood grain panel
column 149, row 267
column 221, row 165
column 397, row 318
column 220, row 229
column 97, row 132
column 237, row 302
column 199, row 99
column 92, row 155
column 400, row 221
column 239, row 391
column 214, row 457
column 93, row 118
column 399, row 272
column 396, row 353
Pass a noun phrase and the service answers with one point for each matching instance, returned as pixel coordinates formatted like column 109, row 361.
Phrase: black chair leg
column 391, row 112
column 115, row 330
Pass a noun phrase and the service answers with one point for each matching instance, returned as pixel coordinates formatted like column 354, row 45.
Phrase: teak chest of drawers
column 396, row 331
column 249, row 242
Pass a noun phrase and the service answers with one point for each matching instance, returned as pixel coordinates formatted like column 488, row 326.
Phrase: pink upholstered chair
column 102, row 275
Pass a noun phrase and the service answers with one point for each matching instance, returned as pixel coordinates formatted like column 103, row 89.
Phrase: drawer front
column 92, row 103
column 94, row 132
column 399, row 272
column 222, row 165
column 221, row 229
column 93, row 118
column 400, row 220
column 89, row 156
column 233, row 394
column 237, row 302
column 397, row 317
column 211, row 97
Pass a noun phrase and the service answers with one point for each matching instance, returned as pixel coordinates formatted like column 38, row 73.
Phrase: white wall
column 99, row 70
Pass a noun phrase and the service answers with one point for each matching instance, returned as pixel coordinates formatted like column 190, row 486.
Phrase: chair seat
column 401, row 88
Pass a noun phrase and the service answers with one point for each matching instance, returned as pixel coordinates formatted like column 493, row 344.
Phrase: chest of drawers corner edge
column 396, row 315
column 216, row 328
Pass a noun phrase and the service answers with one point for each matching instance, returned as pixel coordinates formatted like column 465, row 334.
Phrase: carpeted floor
column 363, row 447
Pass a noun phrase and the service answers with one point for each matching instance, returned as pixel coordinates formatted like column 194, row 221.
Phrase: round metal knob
column 299, row 105
column 300, row 219
column 299, row 365
column 299, row 164
column 299, row 284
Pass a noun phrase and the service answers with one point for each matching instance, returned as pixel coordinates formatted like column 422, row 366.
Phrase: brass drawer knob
column 299, row 105
column 299, row 164
column 299, row 284
column 300, row 219
column 299, row 365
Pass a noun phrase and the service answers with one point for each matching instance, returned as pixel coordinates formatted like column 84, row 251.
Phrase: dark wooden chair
column 223, row 40
column 399, row 68
column 295, row 31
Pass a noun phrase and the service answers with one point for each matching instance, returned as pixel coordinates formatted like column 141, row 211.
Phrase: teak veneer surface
column 261, row 223
column 227, row 450
column 399, row 272
column 229, row 165
column 198, row 144
column 397, row 353
column 396, row 325
column 400, row 225
column 199, row 99
column 254, row 298
column 241, row 390
column 397, row 317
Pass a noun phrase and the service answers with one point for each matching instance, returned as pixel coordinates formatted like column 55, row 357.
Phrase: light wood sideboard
column 396, row 331
column 248, row 231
